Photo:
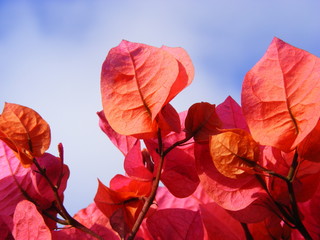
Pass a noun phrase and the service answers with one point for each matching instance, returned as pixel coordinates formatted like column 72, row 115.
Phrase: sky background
column 51, row 54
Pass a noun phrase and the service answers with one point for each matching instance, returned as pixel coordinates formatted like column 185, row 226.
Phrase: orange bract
column 281, row 96
column 24, row 131
column 137, row 81
column 125, row 195
column 232, row 151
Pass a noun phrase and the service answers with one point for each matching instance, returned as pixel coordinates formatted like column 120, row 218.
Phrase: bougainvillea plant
column 227, row 171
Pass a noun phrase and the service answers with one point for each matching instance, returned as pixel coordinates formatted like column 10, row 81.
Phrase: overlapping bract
column 122, row 202
column 278, row 97
column 228, row 172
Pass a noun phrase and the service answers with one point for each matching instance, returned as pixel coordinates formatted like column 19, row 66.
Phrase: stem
column 293, row 202
column 287, row 218
column 298, row 223
column 246, row 231
column 292, row 216
column 152, row 196
column 62, row 210
column 261, row 168
column 293, row 167
column 155, row 184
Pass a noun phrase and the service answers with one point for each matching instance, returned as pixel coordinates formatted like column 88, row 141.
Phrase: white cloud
column 51, row 55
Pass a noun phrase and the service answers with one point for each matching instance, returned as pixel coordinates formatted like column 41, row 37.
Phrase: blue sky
column 51, row 54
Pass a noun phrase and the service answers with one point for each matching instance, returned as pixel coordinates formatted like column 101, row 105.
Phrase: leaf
column 180, row 224
column 28, row 223
column 231, row 194
column 230, row 114
column 122, row 142
column 233, row 152
column 202, row 121
column 25, row 132
column 136, row 83
column 280, row 96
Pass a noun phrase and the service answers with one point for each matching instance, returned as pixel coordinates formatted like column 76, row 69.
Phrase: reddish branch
column 69, row 220
column 156, row 181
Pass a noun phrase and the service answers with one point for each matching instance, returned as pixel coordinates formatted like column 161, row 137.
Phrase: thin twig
column 69, row 220
column 246, row 231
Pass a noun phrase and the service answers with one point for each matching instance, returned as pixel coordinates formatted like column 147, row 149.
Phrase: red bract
column 6, row 226
column 219, row 224
column 57, row 172
column 230, row 114
column 135, row 166
column 215, row 221
column 137, row 81
column 179, row 173
column 202, row 121
column 270, row 228
column 280, row 96
column 280, row 162
column 173, row 223
column 122, row 202
column 28, row 223
column 25, row 132
column 12, row 177
column 168, row 119
column 311, row 216
column 309, row 148
column 257, row 211
column 122, row 142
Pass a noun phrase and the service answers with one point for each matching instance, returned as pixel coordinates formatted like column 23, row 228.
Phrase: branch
column 152, row 196
column 293, row 202
column 156, row 181
column 246, row 231
column 69, row 220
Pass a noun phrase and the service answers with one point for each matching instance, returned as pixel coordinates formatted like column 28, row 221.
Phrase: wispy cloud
column 52, row 51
